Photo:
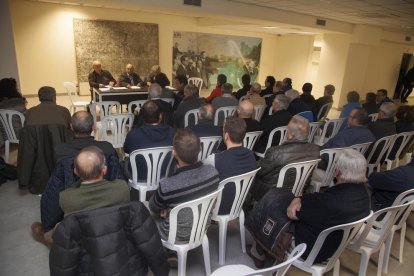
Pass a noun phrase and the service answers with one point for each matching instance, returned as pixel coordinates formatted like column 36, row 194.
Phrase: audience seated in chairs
column 221, row 79
column 254, row 95
column 384, row 126
column 280, row 117
column 234, row 161
column 306, row 96
column 295, row 149
column 46, row 126
column 269, row 83
column 129, row 226
column 191, row 180
column 370, row 104
column 226, row 99
column 327, row 98
column 245, row 111
column 63, row 176
column 190, row 101
column 296, row 105
column 345, row 202
column 150, row 135
column 387, row 185
column 163, row 81
column 353, row 102
column 180, row 81
column 205, row 126
column 246, row 87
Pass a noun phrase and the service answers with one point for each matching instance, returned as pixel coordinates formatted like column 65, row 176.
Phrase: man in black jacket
column 129, row 77
column 98, row 77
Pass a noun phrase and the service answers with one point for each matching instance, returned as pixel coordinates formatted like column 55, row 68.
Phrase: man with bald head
column 245, row 111
column 98, row 77
column 129, row 77
column 205, row 126
column 92, row 191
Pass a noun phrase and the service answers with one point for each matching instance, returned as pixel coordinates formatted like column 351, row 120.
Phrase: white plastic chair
column 328, row 176
column 71, row 90
column 362, row 148
column 373, row 117
column 225, row 112
column 404, row 138
column 6, row 118
column 372, row 235
column 154, row 158
column 105, row 108
column 407, row 196
column 197, row 82
column 323, row 112
column 349, row 231
column 282, row 134
column 208, row 145
column 134, row 105
column 258, row 112
column 242, row 185
column 313, row 128
column 168, row 100
column 193, row 113
column 334, row 126
column 378, row 151
column 201, row 209
column 303, row 170
column 251, row 138
column 119, row 126
column 279, row 269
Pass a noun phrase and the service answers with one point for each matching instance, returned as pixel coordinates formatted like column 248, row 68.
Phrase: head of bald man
column 82, row 124
column 90, row 164
column 97, row 67
column 245, row 109
column 129, row 69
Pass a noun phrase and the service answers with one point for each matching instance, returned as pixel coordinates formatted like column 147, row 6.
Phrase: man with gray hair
column 280, row 117
column 205, row 126
column 254, row 95
column 226, row 98
column 295, row 149
column 47, row 112
column 384, row 125
column 297, row 105
column 191, row 100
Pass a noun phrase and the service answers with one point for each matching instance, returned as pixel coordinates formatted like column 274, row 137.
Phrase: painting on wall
column 205, row 56
column 115, row 44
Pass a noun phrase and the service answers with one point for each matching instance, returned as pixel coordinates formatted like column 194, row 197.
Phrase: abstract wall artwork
column 207, row 55
column 115, row 44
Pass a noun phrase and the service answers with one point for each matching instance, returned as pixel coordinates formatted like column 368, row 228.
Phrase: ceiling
column 393, row 15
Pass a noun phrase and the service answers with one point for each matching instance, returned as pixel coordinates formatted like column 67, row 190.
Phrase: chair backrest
column 362, row 148
column 208, row 145
column 379, row 228
column 201, row 209
column 402, row 139
column 168, row 100
column 71, row 90
column 380, row 148
column 349, row 230
column 402, row 198
column 242, row 185
column 373, row 117
column 105, row 109
column 251, row 138
column 258, row 112
column 132, row 106
column 282, row 137
column 334, row 126
column 154, row 157
column 193, row 113
column 119, row 126
column 302, row 172
column 308, row 115
column 197, row 82
column 225, row 112
column 323, row 112
column 313, row 128
column 6, row 118
column 282, row 268
column 333, row 155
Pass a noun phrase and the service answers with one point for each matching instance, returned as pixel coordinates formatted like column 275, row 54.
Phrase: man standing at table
column 98, row 78
column 129, row 77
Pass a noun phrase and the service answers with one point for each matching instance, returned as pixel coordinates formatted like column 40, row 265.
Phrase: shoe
column 37, row 229
column 258, row 263
column 172, row 260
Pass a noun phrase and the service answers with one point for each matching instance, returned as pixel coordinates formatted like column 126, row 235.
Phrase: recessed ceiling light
column 270, row 27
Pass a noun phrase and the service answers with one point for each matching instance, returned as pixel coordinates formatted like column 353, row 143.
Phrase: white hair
column 389, row 109
column 154, row 91
column 298, row 127
column 352, row 166
column 292, row 94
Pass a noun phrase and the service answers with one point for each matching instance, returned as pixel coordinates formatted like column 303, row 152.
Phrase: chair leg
column 242, row 232
column 402, row 240
column 337, row 268
column 387, row 253
column 222, row 240
column 6, row 151
column 182, row 262
column 142, row 195
column 364, row 263
column 206, row 254
column 380, row 260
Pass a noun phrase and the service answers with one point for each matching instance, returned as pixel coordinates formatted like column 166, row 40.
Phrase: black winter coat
column 121, row 240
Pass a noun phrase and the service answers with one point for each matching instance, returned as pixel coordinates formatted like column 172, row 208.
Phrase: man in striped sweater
column 191, row 180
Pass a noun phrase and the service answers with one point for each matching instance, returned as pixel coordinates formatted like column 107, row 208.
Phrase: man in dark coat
column 384, row 125
column 408, row 82
column 98, row 77
column 130, row 78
